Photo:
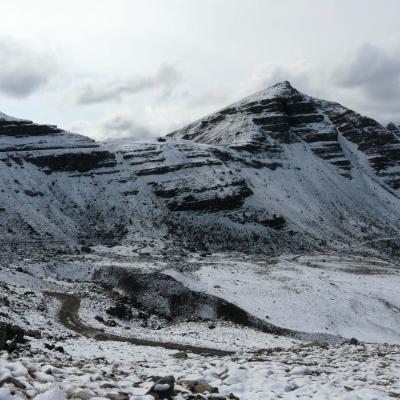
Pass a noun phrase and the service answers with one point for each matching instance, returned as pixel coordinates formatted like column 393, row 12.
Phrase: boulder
column 181, row 355
column 163, row 388
column 10, row 336
column 121, row 311
column 204, row 388
column 353, row 341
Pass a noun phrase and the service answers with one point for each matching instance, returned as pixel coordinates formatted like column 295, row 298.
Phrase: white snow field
column 345, row 295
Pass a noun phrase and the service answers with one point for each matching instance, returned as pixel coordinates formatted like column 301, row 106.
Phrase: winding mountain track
column 68, row 315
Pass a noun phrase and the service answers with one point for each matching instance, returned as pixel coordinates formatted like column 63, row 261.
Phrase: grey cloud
column 211, row 97
column 121, row 126
column 301, row 74
column 281, row 73
column 166, row 78
column 24, row 71
column 373, row 70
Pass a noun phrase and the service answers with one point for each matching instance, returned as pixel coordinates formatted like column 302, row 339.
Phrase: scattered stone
column 84, row 394
column 60, row 349
column 121, row 311
column 6, row 378
column 163, row 388
column 216, row 396
column 110, row 323
column 10, row 336
column 204, row 388
column 31, row 193
column 117, row 396
column 181, row 355
column 353, row 341
column 99, row 318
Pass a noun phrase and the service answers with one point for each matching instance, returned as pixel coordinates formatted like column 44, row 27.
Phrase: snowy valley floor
column 351, row 296
column 90, row 369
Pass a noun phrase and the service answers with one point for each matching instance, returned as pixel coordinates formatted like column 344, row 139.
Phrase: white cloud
column 24, row 71
column 375, row 71
column 223, row 52
column 166, row 78
column 121, row 126
column 370, row 79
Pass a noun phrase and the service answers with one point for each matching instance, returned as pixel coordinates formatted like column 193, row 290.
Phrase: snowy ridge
column 393, row 127
column 278, row 171
column 5, row 117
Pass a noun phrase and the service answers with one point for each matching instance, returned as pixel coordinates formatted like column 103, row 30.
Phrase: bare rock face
column 277, row 171
column 24, row 128
column 380, row 146
column 49, row 147
column 77, row 161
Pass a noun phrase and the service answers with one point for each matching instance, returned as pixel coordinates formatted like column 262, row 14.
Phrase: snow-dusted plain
column 345, row 295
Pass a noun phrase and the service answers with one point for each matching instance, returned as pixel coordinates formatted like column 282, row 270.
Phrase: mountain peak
column 283, row 88
column 392, row 127
column 283, row 84
column 269, row 121
column 5, row 117
column 279, row 89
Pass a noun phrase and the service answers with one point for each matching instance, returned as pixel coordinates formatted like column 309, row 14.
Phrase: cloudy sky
column 114, row 68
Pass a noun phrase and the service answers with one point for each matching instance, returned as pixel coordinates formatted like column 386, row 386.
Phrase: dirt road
column 69, row 317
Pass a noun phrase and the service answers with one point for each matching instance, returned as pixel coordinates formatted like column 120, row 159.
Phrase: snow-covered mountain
column 276, row 171
column 393, row 128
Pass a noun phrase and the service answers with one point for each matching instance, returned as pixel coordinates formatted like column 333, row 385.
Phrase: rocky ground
column 46, row 360
column 86, row 369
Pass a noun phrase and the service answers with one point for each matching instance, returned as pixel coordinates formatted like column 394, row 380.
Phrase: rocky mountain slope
column 393, row 128
column 276, row 171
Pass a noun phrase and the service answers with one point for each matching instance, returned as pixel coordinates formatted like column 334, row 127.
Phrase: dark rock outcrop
column 21, row 128
column 10, row 336
column 79, row 161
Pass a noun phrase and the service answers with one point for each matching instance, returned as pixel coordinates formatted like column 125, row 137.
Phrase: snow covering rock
column 337, row 372
column 393, row 128
column 163, row 388
column 10, row 336
column 278, row 171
